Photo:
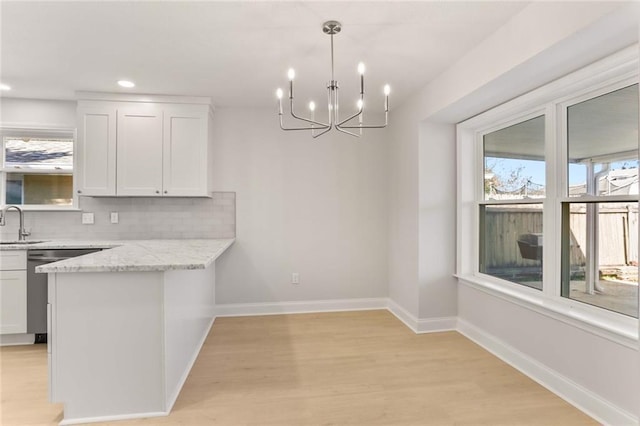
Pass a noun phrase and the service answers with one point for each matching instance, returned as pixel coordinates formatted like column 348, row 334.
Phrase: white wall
column 515, row 59
column 403, row 213
column 606, row 368
column 38, row 112
column 437, row 226
column 313, row 206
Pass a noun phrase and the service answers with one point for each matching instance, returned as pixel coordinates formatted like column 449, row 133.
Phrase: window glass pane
column 600, row 255
column 14, row 188
column 511, row 243
column 42, row 153
column 514, row 166
column 41, row 188
column 603, row 144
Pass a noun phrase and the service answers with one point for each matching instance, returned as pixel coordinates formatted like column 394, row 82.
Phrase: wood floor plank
column 347, row 368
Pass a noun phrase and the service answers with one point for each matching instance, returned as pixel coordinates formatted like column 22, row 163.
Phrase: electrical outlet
column 295, row 278
column 114, row 217
column 87, row 218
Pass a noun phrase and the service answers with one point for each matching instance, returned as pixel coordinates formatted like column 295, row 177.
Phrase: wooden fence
column 618, row 235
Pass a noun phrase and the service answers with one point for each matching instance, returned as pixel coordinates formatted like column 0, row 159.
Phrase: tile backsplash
column 139, row 219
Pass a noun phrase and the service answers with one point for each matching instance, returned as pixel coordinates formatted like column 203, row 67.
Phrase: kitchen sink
column 22, row 242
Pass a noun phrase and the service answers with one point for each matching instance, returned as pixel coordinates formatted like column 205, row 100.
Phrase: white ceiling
column 236, row 52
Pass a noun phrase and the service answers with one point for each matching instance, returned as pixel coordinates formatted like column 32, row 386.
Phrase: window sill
column 614, row 327
column 47, row 209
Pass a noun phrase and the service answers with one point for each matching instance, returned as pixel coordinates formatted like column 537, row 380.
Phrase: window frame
column 480, row 132
column 616, row 71
column 43, row 132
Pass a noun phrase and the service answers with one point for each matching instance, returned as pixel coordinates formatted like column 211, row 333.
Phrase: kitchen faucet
column 22, row 233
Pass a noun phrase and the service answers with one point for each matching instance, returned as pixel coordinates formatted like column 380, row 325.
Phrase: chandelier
column 319, row 128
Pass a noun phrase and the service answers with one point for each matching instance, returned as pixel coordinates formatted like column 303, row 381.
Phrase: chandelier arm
column 357, row 114
column 293, row 114
column 302, row 128
column 340, row 129
column 321, row 133
column 366, row 126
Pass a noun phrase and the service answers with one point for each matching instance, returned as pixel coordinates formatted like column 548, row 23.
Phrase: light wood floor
column 355, row 368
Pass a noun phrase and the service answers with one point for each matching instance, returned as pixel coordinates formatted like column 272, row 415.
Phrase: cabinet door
column 96, row 151
column 13, row 302
column 139, row 170
column 185, row 150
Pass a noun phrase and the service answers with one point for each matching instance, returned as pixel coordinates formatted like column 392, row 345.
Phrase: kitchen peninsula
column 126, row 324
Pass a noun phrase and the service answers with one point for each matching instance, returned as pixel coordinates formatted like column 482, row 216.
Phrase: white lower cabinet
column 13, row 292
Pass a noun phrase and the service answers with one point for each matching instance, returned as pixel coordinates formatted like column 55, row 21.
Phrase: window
column 37, row 168
column 511, row 212
column 600, row 217
column 548, row 198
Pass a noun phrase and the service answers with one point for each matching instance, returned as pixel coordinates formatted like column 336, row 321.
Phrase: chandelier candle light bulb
column 332, row 28
column 312, row 108
column 387, row 90
column 361, row 71
column 279, row 95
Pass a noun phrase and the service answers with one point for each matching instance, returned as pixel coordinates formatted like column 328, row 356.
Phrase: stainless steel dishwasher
column 37, row 287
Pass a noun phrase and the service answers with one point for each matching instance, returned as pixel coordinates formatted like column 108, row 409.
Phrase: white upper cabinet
column 184, row 159
column 139, row 170
column 96, row 150
column 129, row 148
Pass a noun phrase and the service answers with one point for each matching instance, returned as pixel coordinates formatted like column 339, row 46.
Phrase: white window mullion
column 551, row 215
column 3, row 188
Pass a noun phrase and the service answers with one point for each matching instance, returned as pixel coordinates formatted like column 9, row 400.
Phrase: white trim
column 436, row 325
column 403, row 315
column 580, row 397
column 425, row 325
column 98, row 419
column 139, row 97
column 299, row 307
column 422, row 325
column 622, row 331
column 46, row 208
column 17, row 339
column 173, row 398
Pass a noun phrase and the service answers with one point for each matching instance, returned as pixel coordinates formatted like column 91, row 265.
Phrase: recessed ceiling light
column 126, row 83
column 5, row 87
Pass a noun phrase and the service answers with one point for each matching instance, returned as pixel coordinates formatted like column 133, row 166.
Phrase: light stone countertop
column 132, row 255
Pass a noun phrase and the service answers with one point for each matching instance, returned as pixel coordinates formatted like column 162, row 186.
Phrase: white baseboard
column 585, row 400
column 427, row 325
column 434, row 325
column 419, row 326
column 403, row 315
column 17, row 339
column 99, row 419
column 277, row 308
